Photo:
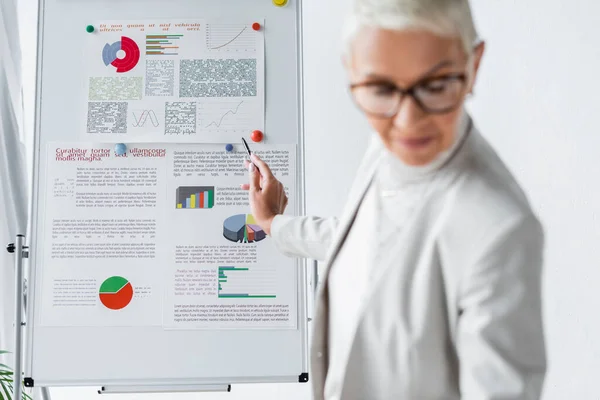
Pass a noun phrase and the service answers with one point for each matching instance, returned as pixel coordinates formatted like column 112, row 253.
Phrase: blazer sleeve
column 308, row 237
column 312, row 237
column 500, row 339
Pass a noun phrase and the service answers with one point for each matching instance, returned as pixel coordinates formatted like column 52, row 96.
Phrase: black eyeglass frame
column 410, row 91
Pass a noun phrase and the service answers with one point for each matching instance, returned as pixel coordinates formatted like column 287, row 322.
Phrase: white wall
column 536, row 101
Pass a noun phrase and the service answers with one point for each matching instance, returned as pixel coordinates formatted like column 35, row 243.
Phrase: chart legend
column 247, row 283
column 242, row 228
column 116, row 293
column 196, row 197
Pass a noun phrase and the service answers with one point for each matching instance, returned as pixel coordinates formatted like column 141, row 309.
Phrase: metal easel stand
column 21, row 252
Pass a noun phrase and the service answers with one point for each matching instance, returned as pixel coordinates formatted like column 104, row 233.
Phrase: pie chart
column 242, row 228
column 116, row 293
column 110, row 54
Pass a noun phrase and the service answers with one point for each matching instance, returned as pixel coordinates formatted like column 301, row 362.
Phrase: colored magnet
column 256, row 136
column 256, row 26
column 89, row 28
column 120, row 149
column 229, row 147
column 280, row 3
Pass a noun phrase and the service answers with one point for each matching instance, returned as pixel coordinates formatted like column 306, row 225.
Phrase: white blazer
column 455, row 311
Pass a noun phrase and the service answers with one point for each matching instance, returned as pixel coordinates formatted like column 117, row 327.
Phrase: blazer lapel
column 355, row 199
column 319, row 355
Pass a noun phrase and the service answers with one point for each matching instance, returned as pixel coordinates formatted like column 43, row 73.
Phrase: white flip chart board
column 147, row 267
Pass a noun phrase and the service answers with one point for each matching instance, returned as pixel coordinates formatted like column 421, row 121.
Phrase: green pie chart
column 116, row 293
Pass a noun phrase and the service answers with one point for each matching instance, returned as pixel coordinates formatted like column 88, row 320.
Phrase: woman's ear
column 479, row 50
column 478, row 56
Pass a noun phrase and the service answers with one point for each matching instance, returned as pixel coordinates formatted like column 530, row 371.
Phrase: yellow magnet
column 280, row 3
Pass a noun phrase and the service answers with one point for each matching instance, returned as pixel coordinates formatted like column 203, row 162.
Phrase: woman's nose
column 409, row 114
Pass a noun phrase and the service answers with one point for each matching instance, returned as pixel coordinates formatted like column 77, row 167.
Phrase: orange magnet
column 256, row 26
column 256, row 136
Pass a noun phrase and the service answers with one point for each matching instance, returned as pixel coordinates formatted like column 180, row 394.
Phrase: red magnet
column 256, row 26
column 256, row 136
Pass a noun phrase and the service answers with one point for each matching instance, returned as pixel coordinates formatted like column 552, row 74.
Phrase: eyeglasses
column 434, row 95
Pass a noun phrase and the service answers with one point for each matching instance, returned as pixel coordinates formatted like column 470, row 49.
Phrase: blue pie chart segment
column 130, row 50
column 109, row 53
column 242, row 228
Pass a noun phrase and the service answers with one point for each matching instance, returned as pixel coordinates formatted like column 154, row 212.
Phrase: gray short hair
column 443, row 17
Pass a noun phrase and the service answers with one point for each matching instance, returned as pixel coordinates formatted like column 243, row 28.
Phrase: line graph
column 231, row 41
column 234, row 115
column 144, row 117
column 231, row 38
column 229, row 112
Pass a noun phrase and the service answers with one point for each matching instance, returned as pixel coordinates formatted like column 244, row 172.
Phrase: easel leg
column 45, row 393
column 19, row 250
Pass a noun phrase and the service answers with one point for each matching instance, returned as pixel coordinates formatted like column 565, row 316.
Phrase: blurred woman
column 432, row 287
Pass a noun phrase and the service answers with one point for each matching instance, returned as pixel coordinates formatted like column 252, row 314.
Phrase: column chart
column 195, row 197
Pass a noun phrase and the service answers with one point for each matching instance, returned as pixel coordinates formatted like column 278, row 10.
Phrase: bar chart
column 247, row 283
column 195, row 197
column 162, row 45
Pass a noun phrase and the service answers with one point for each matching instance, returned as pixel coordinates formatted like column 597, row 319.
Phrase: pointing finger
column 254, row 178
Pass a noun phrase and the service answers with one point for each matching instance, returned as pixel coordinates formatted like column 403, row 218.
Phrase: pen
column 249, row 152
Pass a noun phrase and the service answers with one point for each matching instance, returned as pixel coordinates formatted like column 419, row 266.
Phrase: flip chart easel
column 116, row 356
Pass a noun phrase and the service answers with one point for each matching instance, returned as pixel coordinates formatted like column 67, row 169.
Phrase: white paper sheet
column 174, row 81
column 162, row 236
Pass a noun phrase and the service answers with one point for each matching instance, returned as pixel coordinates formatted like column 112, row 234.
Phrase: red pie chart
column 130, row 49
column 116, row 293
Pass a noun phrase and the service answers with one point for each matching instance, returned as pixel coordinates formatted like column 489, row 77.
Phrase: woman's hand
column 267, row 194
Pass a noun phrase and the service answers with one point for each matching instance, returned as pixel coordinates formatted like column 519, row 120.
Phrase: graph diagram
column 144, row 118
column 195, row 197
column 247, row 283
column 231, row 38
column 236, row 116
column 123, row 54
column 227, row 113
column 242, row 228
column 116, row 293
column 162, row 45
